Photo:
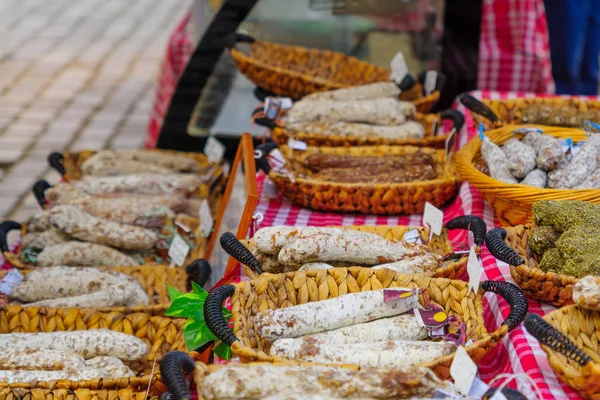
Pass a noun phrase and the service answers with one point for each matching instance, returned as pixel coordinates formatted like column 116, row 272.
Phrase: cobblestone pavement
column 74, row 75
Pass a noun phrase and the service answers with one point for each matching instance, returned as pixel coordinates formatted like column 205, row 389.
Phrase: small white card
column 214, row 150
column 178, row 251
column 474, row 270
column 463, row 370
column 398, row 67
column 412, row 236
column 286, row 103
column 430, row 81
column 10, row 280
column 206, row 219
column 269, row 189
column 433, row 217
column 297, row 144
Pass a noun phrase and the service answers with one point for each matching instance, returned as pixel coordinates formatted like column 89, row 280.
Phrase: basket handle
column 556, row 340
column 199, row 271
column 263, row 121
column 55, row 160
column 514, row 297
column 509, row 394
column 499, row 249
column 478, row 107
column 472, row 223
column 173, row 368
column 458, row 120
column 237, row 250
column 440, row 80
column 213, row 314
column 39, row 189
column 6, row 227
column 260, row 156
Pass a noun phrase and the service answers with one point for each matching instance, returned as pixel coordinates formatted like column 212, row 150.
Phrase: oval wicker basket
column 161, row 334
column 569, row 337
column 512, row 202
column 510, row 245
column 440, row 245
column 273, row 291
column 295, row 72
column 393, row 198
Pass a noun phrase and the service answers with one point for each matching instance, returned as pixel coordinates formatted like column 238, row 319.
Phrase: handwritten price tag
column 463, row 371
column 433, row 218
column 178, row 251
column 10, row 280
column 214, row 150
column 206, row 219
column 474, row 270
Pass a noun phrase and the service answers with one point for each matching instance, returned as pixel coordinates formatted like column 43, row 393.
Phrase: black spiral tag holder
column 6, row 227
column 554, row 339
column 237, row 250
column 173, row 369
column 406, row 83
column 509, row 394
column 261, row 154
column 199, row 271
column 472, row 223
column 514, row 297
column 39, row 188
column 499, row 249
column 55, row 160
column 478, row 107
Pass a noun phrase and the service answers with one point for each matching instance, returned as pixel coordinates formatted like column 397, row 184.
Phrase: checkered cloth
column 520, row 353
column 514, row 48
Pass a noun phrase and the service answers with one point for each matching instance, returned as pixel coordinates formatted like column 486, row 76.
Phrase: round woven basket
column 273, row 291
column 512, row 202
column 294, row 71
column 510, row 245
column 569, row 337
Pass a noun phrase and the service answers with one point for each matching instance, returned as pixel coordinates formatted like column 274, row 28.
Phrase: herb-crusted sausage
column 309, row 318
column 91, row 229
column 83, row 254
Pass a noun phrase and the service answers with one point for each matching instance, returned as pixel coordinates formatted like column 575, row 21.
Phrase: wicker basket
column 395, row 198
column 569, row 337
column 295, row 72
column 167, row 229
column 451, row 269
column 272, row 291
column 160, row 334
column 511, row 111
column 512, row 202
column 510, row 245
column 281, row 135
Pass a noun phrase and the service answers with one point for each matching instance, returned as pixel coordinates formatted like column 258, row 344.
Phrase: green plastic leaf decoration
column 189, row 305
column 196, row 334
column 198, row 289
column 222, row 350
column 173, row 293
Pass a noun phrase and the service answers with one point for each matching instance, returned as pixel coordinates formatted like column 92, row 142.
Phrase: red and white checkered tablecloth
column 520, row 353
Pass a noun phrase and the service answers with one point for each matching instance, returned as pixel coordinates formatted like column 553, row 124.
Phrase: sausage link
column 549, row 150
column 497, row 162
column 586, row 293
column 362, row 92
column 83, row 254
column 41, row 240
column 536, row 178
column 521, row 157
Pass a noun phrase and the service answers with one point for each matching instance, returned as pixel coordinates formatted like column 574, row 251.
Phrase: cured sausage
column 407, row 130
column 146, row 184
column 497, row 162
column 548, row 148
column 586, row 293
column 154, row 161
column 40, row 240
column 83, row 254
column 521, row 157
column 362, row 92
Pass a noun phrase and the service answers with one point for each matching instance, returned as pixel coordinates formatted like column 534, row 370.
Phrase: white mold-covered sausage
column 592, row 181
column 536, row 178
column 326, row 315
column 413, row 265
column 548, row 148
column 401, row 327
column 384, row 111
column 39, row 222
column 576, row 172
column 387, row 354
column 24, row 376
column 89, row 344
column 521, row 157
column 12, row 359
column 146, row 184
column 164, row 161
column 586, row 293
column 407, row 130
column 83, row 254
column 255, row 382
column 362, row 92
column 91, row 229
column 315, row 266
column 347, row 246
column 114, row 367
column 41, row 240
column 497, row 162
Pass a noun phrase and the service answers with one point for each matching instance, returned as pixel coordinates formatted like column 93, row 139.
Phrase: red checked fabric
column 520, row 353
column 514, row 48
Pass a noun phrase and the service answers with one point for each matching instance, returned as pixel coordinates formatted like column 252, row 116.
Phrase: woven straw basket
column 159, row 333
column 280, row 134
column 512, row 202
column 511, row 246
column 295, row 72
column 272, row 291
column 395, row 198
column 439, row 244
column 569, row 337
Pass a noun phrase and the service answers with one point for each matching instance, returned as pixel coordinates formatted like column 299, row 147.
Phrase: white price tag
column 463, row 371
column 206, row 219
column 10, row 280
column 474, row 270
column 286, row 103
column 272, row 107
column 430, row 81
column 297, row 144
column 398, row 67
column 478, row 389
column 412, row 236
column 433, row 218
column 178, row 251
column 270, row 190
column 214, row 150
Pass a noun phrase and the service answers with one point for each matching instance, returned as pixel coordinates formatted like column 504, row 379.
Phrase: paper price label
column 178, row 251
column 272, row 107
column 214, row 150
column 398, row 67
column 463, row 371
column 430, row 81
column 10, row 280
column 478, row 389
column 397, row 294
column 206, row 219
column 297, row 144
column 474, row 270
column 450, row 143
column 433, row 217
column 269, row 190
column 412, row 236
column 286, row 103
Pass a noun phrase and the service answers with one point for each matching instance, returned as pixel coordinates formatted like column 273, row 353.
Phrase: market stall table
column 520, row 353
